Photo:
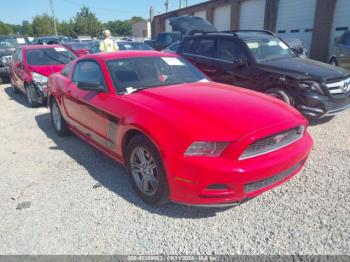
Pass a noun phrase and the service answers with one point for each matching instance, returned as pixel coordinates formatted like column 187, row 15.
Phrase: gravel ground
column 81, row 202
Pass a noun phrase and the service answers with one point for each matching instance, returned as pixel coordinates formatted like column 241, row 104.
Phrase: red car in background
column 181, row 137
column 78, row 48
column 31, row 66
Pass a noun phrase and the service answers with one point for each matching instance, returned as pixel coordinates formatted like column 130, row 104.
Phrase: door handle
column 210, row 70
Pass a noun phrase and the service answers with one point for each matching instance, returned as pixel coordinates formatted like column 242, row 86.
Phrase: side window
column 207, row 47
column 88, row 71
column 15, row 55
column 230, row 50
column 189, row 46
column 20, row 59
column 66, row 70
column 175, row 47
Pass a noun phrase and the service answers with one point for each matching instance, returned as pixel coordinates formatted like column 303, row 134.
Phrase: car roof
column 236, row 34
column 12, row 36
column 31, row 47
column 127, row 54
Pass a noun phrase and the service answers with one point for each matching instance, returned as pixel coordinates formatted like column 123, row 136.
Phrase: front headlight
column 206, row 148
column 313, row 86
column 38, row 78
column 5, row 60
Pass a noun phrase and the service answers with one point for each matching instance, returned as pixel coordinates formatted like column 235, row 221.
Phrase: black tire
column 333, row 61
column 14, row 88
column 280, row 94
column 30, row 96
column 61, row 129
column 161, row 193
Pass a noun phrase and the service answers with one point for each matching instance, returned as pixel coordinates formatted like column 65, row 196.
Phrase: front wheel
column 146, row 170
column 57, row 119
column 14, row 88
column 30, row 96
column 281, row 94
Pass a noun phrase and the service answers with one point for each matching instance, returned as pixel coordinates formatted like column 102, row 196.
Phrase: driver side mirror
column 240, row 62
column 91, row 86
column 298, row 50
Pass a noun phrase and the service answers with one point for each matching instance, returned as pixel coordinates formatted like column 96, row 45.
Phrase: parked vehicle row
column 183, row 122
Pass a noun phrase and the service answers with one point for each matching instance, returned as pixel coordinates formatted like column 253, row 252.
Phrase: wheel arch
column 132, row 132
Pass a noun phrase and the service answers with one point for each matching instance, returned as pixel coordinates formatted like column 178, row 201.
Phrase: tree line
column 85, row 22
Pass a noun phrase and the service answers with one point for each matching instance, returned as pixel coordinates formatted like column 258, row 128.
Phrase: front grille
column 251, row 187
column 339, row 86
column 273, row 143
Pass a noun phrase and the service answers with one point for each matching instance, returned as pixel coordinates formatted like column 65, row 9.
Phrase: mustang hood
column 224, row 110
column 46, row 70
column 303, row 67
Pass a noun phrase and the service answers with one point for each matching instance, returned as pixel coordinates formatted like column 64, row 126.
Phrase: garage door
column 202, row 14
column 252, row 15
column 341, row 19
column 295, row 19
column 222, row 18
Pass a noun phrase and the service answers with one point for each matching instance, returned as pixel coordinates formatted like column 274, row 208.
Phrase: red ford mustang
column 180, row 136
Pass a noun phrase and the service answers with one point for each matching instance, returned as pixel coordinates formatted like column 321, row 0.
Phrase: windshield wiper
column 130, row 90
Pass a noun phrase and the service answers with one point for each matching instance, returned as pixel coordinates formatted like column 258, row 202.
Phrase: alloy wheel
column 56, row 116
column 144, row 171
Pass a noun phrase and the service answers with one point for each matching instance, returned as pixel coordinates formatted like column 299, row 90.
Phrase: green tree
column 66, row 28
column 43, row 25
column 5, row 29
column 26, row 28
column 119, row 28
column 136, row 19
column 86, row 23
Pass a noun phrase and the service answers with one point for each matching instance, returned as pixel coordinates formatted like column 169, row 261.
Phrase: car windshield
column 8, row 43
column 132, row 74
column 270, row 48
column 134, row 46
column 49, row 56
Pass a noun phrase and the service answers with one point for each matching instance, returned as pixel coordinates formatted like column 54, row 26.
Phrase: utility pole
column 167, row 4
column 53, row 16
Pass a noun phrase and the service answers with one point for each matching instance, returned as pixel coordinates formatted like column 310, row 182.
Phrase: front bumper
column 205, row 181
column 40, row 94
column 314, row 105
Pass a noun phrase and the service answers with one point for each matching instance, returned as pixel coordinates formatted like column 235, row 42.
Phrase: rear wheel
column 280, row 94
column 146, row 170
column 57, row 119
column 30, row 96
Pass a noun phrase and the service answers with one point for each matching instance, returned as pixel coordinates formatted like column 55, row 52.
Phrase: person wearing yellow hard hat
column 108, row 45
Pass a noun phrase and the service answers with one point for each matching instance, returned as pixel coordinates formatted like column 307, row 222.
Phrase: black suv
column 262, row 61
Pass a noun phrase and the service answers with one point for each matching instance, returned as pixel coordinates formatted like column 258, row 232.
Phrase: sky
column 15, row 11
